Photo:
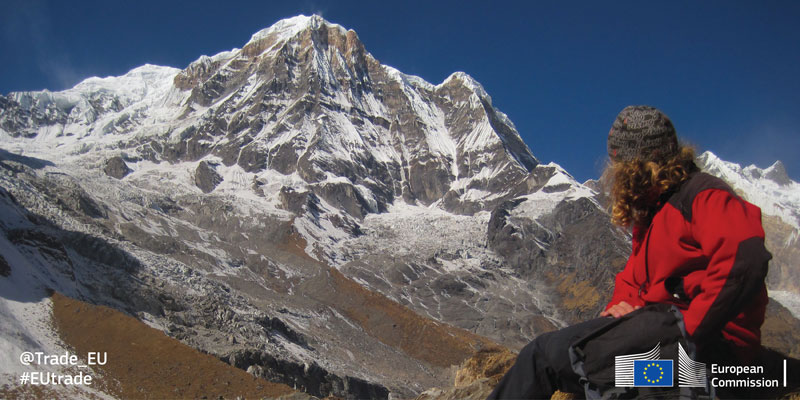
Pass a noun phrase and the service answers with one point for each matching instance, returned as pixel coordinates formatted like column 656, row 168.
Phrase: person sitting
column 698, row 262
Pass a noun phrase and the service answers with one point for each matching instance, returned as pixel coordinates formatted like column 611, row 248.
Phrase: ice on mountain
column 770, row 188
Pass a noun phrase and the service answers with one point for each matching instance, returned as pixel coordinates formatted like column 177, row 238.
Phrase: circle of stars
column 659, row 374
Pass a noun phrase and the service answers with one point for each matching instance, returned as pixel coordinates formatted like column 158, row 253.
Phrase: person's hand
column 619, row 309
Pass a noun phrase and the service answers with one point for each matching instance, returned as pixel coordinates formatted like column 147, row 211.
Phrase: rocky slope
column 300, row 211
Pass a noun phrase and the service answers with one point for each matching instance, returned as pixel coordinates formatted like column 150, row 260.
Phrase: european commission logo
column 648, row 370
column 655, row 373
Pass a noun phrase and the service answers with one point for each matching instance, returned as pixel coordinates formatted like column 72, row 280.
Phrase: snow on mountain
column 769, row 188
column 138, row 83
column 57, row 125
column 561, row 186
column 126, row 89
column 287, row 28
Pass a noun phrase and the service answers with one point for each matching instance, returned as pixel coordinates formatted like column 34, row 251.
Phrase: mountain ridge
column 225, row 81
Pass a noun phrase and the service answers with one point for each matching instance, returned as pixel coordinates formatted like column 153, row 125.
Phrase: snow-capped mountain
column 95, row 107
column 256, row 169
column 305, row 99
column 300, row 211
column 769, row 188
column 302, row 100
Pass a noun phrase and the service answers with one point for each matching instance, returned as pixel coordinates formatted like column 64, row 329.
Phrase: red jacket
column 704, row 252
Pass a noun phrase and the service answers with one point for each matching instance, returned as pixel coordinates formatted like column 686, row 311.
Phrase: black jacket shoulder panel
column 698, row 182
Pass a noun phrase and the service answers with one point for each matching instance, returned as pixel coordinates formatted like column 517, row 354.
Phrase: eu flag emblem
column 654, row 373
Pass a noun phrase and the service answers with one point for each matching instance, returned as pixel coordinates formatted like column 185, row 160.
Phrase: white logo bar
column 690, row 373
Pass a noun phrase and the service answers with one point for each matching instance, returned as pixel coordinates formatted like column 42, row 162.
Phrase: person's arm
column 625, row 289
column 626, row 293
column 730, row 234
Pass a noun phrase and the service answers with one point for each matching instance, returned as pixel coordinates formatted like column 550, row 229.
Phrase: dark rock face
column 22, row 114
column 310, row 378
column 68, row 194
column 116, row 168
column 25, row 121
column 253, row 158
column 344, row 196
column 5, row 269
column 16, row 120
column 100, row 251
column 298, row 202
column 275, row 326
column 428, row 180
column 206, row 178
column 49, row 244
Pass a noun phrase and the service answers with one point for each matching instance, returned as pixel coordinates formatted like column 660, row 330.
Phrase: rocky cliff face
column 300, row 211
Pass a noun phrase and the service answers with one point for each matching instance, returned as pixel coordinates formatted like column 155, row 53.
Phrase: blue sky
column 726, row 72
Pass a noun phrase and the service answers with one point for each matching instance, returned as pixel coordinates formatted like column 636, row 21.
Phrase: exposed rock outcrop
column 310, row 378
column 206, row 177
column 5, row 269
column 116, row 168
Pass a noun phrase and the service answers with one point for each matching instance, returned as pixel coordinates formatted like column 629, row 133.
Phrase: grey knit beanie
column 642, row 132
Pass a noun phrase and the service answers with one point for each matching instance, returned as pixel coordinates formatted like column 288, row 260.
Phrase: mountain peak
column 287, row 28
column 770, row 188
column 777, row 173
column 309, row 32
column 468, row 81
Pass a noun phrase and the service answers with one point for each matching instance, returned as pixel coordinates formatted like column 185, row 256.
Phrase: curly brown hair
column 640, row 187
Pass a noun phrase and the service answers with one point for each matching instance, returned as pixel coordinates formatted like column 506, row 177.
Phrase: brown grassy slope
column 145, row 363
column 393, row 324
column 491, row 363
column 397, row 326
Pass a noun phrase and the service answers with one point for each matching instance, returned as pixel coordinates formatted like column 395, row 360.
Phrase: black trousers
column 543, row 366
